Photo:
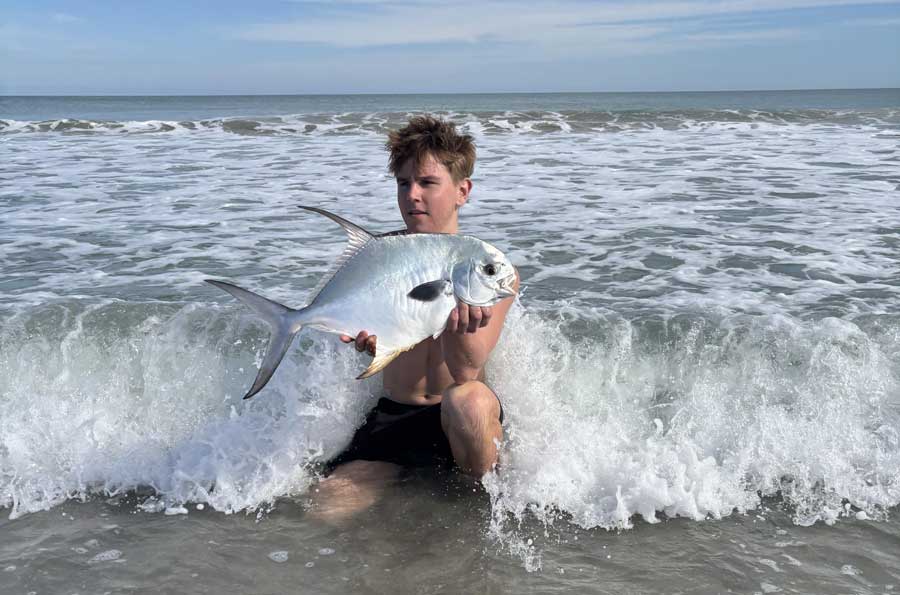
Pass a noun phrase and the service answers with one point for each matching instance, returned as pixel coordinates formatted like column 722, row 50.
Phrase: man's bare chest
column 418, row 373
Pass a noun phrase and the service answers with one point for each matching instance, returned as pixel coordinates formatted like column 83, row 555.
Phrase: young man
column 437, row 406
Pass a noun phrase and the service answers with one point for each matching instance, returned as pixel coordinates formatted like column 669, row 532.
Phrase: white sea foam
column 101, row 405
column 793, row 219
column 699, row 426
column 709, row 314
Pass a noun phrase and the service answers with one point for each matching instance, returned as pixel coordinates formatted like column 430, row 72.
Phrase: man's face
column 428, row 197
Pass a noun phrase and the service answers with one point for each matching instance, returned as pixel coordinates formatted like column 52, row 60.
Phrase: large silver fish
column 401, row 288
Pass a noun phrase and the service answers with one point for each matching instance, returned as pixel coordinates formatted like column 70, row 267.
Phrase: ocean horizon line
column 459, row 94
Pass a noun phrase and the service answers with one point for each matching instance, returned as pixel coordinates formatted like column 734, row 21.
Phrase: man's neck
column 454, row 231
column 452, row 227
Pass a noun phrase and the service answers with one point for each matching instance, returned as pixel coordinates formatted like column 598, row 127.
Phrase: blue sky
column 423, row 46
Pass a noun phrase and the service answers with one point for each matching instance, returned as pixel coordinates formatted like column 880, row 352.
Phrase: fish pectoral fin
column 428, row 292
column 380, row 362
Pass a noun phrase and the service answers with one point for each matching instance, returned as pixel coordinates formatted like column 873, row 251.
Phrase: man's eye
column 490, row 270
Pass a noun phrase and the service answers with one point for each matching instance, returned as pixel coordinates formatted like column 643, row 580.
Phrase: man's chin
column 426, row 224
column 418, row 225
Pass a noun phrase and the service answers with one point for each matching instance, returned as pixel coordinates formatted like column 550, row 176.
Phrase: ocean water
column 701, row 376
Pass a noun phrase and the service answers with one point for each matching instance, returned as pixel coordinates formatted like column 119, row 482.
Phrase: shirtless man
column 436, row 401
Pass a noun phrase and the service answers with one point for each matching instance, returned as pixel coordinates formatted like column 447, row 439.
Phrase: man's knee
column 470, row 404
column 350, row 489
column 365, row 471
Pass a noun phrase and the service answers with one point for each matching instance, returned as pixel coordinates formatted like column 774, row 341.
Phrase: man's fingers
column 452, row 322
column 463, row 324
column 361, row 340
column 486, row 313
column 468, row 319
column 475, row 315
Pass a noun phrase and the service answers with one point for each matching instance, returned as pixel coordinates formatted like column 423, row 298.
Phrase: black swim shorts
column 408, row 435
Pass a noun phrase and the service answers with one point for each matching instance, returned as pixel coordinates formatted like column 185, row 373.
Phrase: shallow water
column 428, row 537
column 706, row 350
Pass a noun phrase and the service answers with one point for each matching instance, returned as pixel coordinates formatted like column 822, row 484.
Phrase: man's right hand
column 364, row 342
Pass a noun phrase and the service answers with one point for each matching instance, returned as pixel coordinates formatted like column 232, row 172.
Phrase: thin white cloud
column 18, row 38
column 418, row 23
column 65, row 18
column 745, row 36
column 874, row 22
column 47, row 42
column 412, row 22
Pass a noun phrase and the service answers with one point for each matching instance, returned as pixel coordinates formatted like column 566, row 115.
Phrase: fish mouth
column 506, row 287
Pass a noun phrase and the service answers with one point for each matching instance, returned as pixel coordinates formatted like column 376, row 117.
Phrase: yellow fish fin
column 381, row 361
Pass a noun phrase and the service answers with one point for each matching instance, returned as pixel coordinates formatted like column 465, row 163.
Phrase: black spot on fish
column 428, row 292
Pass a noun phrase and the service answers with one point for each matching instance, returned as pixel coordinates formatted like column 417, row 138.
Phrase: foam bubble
column 279, row 556
column 106, row 556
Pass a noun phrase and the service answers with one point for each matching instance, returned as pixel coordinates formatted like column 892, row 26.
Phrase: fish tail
column 283, row 321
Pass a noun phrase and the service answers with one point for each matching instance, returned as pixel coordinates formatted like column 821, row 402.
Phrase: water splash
column 694, row 417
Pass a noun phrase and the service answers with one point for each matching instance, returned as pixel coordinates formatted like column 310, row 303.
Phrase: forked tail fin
column 284, row 327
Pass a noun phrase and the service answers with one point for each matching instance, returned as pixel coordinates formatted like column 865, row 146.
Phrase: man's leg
column 470, row 417
column 351, row 488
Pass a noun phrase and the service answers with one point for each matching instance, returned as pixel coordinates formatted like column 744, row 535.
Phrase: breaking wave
column 498, row 122
column 608, row 420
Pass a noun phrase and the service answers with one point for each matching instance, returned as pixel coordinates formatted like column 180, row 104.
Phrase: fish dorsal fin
column 356, row 234
column 357, row 239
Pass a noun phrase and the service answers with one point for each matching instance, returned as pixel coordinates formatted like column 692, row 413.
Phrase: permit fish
column 401, row 288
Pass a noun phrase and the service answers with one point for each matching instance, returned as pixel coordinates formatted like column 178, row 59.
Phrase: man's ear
column 462, row 192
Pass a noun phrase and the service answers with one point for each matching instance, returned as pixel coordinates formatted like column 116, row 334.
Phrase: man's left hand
column 468, row 319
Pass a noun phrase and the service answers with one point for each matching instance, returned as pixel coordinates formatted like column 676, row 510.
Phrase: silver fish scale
column 370, row 292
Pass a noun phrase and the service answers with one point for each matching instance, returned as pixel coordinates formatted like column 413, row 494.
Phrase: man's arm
column 472, row 333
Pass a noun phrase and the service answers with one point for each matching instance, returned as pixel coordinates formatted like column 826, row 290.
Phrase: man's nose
column 415, row 191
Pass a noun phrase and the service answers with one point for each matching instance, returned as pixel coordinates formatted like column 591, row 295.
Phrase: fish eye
column 490, row 270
